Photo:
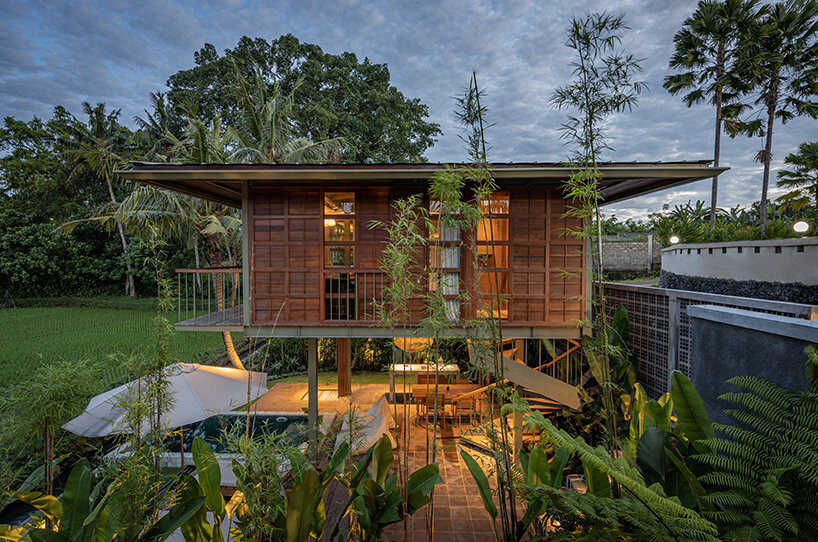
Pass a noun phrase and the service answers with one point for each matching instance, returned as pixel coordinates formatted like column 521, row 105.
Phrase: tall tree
column 705, row 54
column 100, row 144
column 802, row 179
column 780, row 59
column 338, row 96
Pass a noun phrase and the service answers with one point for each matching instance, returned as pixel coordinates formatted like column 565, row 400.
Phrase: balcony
column 209, row 299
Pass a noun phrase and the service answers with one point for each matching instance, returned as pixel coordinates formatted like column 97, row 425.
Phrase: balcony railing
column 353, row 296
column 209, row 296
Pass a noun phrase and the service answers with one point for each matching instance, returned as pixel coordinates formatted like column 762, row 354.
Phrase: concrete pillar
column 312, row 395
column 343, row 355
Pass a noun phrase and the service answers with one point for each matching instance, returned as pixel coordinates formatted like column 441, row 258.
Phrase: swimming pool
column 292, row 428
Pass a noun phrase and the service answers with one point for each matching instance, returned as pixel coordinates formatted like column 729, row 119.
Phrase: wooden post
column 343, row 354
column 312, row 395
column 518, row 433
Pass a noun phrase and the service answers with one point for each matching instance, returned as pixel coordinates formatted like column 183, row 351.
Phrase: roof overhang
column 223, row 182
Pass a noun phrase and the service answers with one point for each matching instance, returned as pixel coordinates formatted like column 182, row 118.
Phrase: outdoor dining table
column 450, row 394
column 450, row 391
column 413, row 369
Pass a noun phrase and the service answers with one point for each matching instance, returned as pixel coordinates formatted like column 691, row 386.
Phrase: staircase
column 545, row 393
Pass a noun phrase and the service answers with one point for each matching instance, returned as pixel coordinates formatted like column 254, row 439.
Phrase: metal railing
column 353, row 296
column 209, row 296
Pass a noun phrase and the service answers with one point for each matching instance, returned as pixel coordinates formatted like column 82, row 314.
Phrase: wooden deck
column 231, row 319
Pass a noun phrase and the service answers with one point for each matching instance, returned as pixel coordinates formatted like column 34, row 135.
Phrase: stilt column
column 312, row 395
column 343, row 352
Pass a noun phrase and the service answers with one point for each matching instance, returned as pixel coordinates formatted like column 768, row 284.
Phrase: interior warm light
column 674, row 239
column 800, row 227
column 329, row 222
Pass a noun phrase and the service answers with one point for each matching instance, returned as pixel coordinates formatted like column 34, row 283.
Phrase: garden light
column 674, row 239
column 800, row 227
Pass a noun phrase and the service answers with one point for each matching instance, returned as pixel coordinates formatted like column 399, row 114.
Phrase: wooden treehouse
column 311, row 263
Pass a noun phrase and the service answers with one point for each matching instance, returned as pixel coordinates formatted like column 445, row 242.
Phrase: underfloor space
column 459, row 514
column 458, row 510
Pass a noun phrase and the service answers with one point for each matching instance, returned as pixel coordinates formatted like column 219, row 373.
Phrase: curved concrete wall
column 774, row 260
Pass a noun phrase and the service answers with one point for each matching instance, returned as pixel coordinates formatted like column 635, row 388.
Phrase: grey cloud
column 64, row 53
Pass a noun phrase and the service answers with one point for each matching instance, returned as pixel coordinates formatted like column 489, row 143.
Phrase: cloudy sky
column 63, row 52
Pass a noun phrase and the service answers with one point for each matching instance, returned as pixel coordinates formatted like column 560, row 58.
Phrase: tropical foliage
column 706, row 53
column 801, row 179
column 779, row 60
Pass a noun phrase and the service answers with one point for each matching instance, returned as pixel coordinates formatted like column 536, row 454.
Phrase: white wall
column 774, row 260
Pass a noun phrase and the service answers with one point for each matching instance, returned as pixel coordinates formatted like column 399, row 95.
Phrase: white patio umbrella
column 198, row 392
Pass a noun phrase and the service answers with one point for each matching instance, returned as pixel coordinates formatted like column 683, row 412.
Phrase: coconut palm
column 155, row 125
column 780, row 59
column 705, row 54
column 265, row 131
column 802, row 179
column 98, row 146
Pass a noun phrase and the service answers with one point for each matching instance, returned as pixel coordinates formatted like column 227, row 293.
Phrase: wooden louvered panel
column 542, row 253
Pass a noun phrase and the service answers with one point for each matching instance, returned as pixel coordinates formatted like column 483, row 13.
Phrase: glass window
column 442, row 232
column 339, row 229
column 339, row 203
column 444, row 257
column 339, row 256
column 496, row 204
column 497, row 226
column 449, row 283
column 489, row 256
column 488, row 284
column 452, row 310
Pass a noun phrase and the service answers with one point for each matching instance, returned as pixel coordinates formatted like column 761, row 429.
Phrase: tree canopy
column 335, row 96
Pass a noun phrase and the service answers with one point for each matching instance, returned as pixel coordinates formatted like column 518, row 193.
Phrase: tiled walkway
column 458, row 509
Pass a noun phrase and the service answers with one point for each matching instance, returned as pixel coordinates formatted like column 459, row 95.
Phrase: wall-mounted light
column 800, row 227
column 329, row 222
column 674, row 239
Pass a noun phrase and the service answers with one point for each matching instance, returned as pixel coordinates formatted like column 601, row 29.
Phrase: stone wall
column 634, row 253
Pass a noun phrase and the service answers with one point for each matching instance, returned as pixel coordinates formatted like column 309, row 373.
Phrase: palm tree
column 266, row 133
column 802, row 179
column 705, row 54
column 98, row 143
column 780, row 58
column 156, row 125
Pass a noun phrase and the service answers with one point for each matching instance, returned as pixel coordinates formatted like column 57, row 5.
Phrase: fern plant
column 764, row 477
column 619, row 501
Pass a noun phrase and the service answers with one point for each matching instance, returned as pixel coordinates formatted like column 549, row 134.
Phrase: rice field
column 31, row 336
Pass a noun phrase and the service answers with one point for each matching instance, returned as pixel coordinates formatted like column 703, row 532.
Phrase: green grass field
column 96, row 329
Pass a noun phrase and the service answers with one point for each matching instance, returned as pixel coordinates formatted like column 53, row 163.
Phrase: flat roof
column 223, row 182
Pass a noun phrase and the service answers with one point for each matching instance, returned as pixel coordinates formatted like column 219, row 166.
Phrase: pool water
column 291, row 427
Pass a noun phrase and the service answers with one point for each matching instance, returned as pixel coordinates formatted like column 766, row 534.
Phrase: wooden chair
column 469, row 405
column 427, row 403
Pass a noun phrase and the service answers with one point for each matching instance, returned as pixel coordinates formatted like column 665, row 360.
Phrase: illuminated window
column 490, row 282
column 496, row 204
column 493, row 236
column 339, row 256
column 339, row 203
column 339, row 284
column 444, row 259
column 339, row 229
column 492, row 256
column 492, row 229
